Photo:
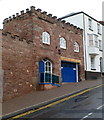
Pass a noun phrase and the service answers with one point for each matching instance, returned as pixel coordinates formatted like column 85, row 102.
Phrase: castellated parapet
column 41, row 15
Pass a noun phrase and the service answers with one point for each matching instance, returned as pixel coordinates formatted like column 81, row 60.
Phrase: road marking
column 86, row 116
column 54, row 103
column 100, row 107
column 92, row 113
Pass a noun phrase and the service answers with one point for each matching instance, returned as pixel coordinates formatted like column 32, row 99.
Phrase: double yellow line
column 54, row 103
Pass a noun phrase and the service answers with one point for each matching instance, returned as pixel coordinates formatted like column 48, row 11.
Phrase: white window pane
column 92, row 63
column 96, row 40
column 100, row 45
column 62, row 43
column 98, row 28
column 76, row 47
column 45, row 38
column 90, row 24
column 90, row 37
column 48, row 66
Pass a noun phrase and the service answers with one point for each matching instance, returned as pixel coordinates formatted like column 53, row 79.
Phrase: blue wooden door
column 41, row 71
column 68, row 72
column 41, row 66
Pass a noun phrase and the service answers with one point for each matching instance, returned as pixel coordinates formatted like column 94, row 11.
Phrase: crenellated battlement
column 15, row 37
column 41, row 15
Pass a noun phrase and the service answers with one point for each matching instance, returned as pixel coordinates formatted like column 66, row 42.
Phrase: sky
column 57, row 8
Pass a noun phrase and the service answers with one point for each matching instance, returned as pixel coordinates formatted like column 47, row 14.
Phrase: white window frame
column 48, row 68
column 90, row 24
column 90, row 38
column 76, row 47
column 100, row 45
column 93, row 40
column 98, row 29
column 92, row 63
column 96, row 41
column 62, row 43
column 46, row 38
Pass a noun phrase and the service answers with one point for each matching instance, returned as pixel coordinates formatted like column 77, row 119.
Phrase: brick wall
column 17, row 65
column 23, row 49
column 1, row 80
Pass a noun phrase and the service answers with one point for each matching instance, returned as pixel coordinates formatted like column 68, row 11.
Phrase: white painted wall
column 97, row 57
column 103, row 47
column 81, row 20
column 77, row 22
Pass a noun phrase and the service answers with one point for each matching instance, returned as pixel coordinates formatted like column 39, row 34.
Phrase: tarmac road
column 88, row 105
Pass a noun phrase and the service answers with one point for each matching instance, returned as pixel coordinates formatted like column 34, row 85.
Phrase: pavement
column 36, row 98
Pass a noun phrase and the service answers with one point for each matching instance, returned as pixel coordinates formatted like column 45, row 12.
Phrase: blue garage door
column 68, row 71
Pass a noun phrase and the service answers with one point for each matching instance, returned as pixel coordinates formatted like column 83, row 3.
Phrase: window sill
column 101, row 50
column 99, row 33
column 46, row 44
column 90, row 29
column 63, row 48
column 76, row 51
column 93, row 69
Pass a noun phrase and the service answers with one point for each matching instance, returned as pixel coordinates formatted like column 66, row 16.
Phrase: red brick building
column 39, row 51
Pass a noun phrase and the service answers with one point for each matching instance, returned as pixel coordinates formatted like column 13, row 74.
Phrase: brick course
column 23, row 49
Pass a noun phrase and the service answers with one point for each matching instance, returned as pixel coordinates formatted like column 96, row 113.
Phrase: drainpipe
column 84, row 37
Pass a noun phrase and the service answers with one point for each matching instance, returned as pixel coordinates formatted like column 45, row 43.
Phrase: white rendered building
column 103, row 34
column 92, row 42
